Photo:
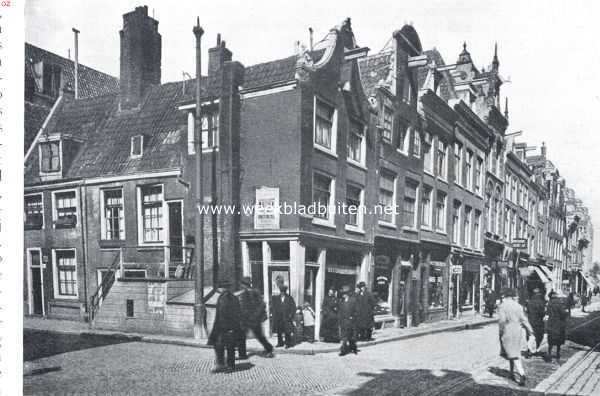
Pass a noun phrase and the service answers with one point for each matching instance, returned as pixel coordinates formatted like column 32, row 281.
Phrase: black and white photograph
column 307, row 198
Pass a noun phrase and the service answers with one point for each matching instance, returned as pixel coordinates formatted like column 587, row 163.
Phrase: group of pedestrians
column 538, row 318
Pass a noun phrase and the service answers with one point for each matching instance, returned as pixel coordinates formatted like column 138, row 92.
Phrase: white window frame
column 60, row 156
column 416, row 220
column 103, row 213
column 191, row 130
column 54, row 207
column 456, row 238
column 43, row 211
column 55, row 275
column 360, row 227
column 445, row 163
column 132, row 145
column 468, row 232
column 385, row 223
column 30, row 268
column 206, row 114
column 333, row 150
column 469, row 156
column 330, row 220
column 405, row 140
column 444, row 212
column 458, row 163
column 428, row 140
column 417, row 141
column 140, row 216
column 363, row 146
column 477, row 235
column 429, row 212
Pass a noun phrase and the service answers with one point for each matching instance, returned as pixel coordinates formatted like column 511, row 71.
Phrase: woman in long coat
column 511, row 321
column 536, row 309
column 557, row 324
column 329, row 328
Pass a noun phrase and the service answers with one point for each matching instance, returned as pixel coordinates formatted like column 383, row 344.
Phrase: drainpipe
column 76, row 39
column 83, row 211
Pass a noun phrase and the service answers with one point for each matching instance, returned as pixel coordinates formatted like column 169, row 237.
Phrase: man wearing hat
column 347, row 322
column 536, row 309
column 226, row 329
column 253, row 314
column 284, row 308
column 365, row 304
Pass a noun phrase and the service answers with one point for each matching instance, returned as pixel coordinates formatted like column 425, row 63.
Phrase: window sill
column 354, row 229
column 428, row 172
column 323, row 223
column 405, row 153
column 426, row 228
column 356, row 164
column 325, row 150
column 413, row 230
column 386, row 224
column 65, row 298
column 441, row 232
column 111, row 243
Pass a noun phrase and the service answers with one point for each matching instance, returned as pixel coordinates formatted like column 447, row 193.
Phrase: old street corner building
column 110, row 177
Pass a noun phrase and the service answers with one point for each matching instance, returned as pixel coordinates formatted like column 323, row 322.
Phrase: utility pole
column 76, row 42
column 200, row 330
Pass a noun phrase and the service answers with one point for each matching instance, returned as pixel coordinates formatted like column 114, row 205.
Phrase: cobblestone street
column 459, row 362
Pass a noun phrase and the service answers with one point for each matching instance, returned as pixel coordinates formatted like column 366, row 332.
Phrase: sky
column 548, row 50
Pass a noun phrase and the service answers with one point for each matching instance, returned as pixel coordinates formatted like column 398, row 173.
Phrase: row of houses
column 452, row 203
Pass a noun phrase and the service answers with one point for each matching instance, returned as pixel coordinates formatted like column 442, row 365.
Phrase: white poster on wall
column 266, row 210
column 157, row 298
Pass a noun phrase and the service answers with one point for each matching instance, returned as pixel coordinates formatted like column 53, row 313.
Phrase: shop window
column 426, row 208
column 410, row 204
column 151, row 213
column 436, row 287
column 34, row 212
column 65, row 274
column 324, row 125
column 113, row 226
column 50, row 157
column 388, row 124
column 354, row 216
column 387, row 194
column 65, row 209
column 440, row 212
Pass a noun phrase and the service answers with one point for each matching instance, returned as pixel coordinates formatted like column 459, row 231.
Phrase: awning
column 541, row 274
column 546, row 270
column 590, row 281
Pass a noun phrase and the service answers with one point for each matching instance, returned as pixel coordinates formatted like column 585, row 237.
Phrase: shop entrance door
column 175, row 231
column 37, row 283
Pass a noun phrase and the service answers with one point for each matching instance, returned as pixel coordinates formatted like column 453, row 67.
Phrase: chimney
column 76, row 73
column 543, row 149
column 140, row 56
column 217, row 56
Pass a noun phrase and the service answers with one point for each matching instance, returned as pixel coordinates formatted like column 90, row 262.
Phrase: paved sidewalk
column 305, row 348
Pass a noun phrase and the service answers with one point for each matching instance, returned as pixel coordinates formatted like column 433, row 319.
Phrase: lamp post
column 200, row 330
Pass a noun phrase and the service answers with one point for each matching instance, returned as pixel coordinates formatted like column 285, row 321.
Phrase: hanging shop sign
column 456, row 269
column 519, row 243
column 266, row 210
column 157, row 298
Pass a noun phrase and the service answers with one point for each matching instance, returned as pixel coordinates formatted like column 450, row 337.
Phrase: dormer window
column 50, row 156
column 137, row 146
column 48, row 78
column 325, row 126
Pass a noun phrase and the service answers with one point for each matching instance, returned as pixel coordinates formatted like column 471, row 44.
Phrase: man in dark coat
column 536, row 309
column 253, row 315
column 490, row 301
column 329, row 326
column 557, row 324
column 365, row 304
column 347, row 318
column 284, row 308
column 226, row 328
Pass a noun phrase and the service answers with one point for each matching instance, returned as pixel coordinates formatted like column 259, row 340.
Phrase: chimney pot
column 218, row 55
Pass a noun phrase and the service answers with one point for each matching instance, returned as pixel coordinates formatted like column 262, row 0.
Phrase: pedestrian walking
column 329, row 313
column 253, row 314
column 557, row 324
column 365, row 304
column 489, row 299
column 511, row 321
column 347, row 322
column 284, row 308
column 536, row 310
column 570, row 301
column 584, row 301
column 226, row 328
column 308, row 316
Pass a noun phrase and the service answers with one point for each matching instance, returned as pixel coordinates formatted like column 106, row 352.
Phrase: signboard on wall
column 157, row 298
column 456, row 269
column 266, row 209
column 519, row 243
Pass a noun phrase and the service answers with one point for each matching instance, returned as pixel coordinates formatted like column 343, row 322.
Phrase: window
column 427, row 154
column 513, row 193
column 416, row 143
column 469, row 170
column 322, row 195
column 441, row 165
column 324, row 125
column 191, row 138
column 388, row 124
column 403, row 138
column 478, row 175
column 137, row 146
column 34, row 212
column 50, row 156
column 513, row 226
column 458, row 163
column 210, row 130
column 152, row 213
column 407, row 90
column 507, row 187
column 65, row 274
column 477, row 230
column 65, row 209
column 387, row 195
column 440, row 211
column 51, row 79
column 426, row 207
column 409, row 208
column 356, row 143
column 494, row 162
column 506, row 223
column 467, row 226
column 113, row 226
column 436, row 286
column 456, row 222
column 354, row 203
